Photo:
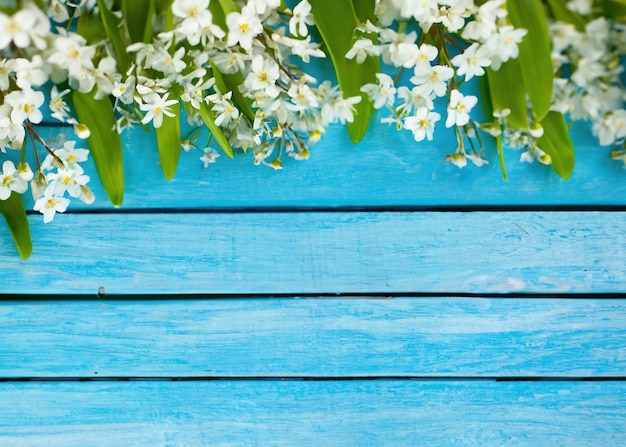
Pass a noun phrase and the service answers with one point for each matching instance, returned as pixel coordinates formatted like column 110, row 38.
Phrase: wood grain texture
column 328, row 413
column 308, row 337
column 334, row 252
column 386, row 169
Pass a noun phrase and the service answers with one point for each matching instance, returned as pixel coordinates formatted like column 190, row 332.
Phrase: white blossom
column 11, row 180
column 459, row 108
column 422, row 124
column 155, row 107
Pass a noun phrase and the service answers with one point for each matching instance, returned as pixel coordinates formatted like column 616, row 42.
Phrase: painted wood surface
column 313, row 413
column 387, row 169
column 317, row 253
column 314, row 337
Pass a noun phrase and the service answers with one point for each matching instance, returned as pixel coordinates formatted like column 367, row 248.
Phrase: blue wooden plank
column 327, row 413
column 314, row 337
column 331, row 252
column 386, row 169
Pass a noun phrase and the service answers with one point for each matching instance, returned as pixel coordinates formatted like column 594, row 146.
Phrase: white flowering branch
column 242, row 70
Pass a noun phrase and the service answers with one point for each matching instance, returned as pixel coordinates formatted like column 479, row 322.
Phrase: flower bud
column 81, row 131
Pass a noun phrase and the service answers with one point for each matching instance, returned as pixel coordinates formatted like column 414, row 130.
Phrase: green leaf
column 207, row 116
column 364, row 9
column 534, row 53
column 556, row 142
column 15, row 214
column 91, row 28
column 336, row 21
column 138, row 15
column 10, row 7
column 228, row 6
column 507, row 91
column 104, row 142
column 615, row 10
column 111, row 24
column 561, row 13
column 168, row 142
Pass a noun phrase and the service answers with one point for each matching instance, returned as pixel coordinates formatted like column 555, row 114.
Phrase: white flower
column 197, row 20
column 29, row 74
column 422, row 124
column 432, row 79
column 72, row 54
column 124, row 91
column 243, row 28
column 11, row 180
column 209, row 156
column 452, row 13
column 69, row 180
column 70, row 155
column 504, row 44
column 471, row 61
column 582, row 7
column 611, row 127
column 424, row 11
column 49, row 205
column 381, row 93
column 6, row 67
column 168, row 63
column 303, row 96
column 10, row 131
column 340, row 109
column 262, row 6
column 424, row 54
column 226, row 111
column 303, row 48
column 16, row 28
column 458, row 159
column 459, row 108
column 300, row 19
column 263, row 76
column 25, row 105
column 156, row 106
column 59, row 108
column 361, row 49
column 484, row 23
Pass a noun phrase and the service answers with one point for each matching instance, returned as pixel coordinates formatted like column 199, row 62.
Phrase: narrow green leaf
column 91, row 28
column 168, row 142
column 615, row 10
column 364, row 9
column 562, row 13
column 534, row 52
column 111, row 24
column 219, row 17
column 15, row 214
column 104, row 142
column 138, row 16
column 507, row 91
column 336, row 21
column 207, row 116
column 556, row 142
column 228, row 6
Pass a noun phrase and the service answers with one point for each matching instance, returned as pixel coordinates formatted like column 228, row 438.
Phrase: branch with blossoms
column 242, row 70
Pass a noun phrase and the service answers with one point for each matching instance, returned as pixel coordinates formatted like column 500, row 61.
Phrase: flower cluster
column 446, row 43
column 242, row 74
column 243, row 70
column 453, row 42
column 588, row 67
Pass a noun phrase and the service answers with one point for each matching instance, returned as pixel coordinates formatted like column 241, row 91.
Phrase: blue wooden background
column 373, row 295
